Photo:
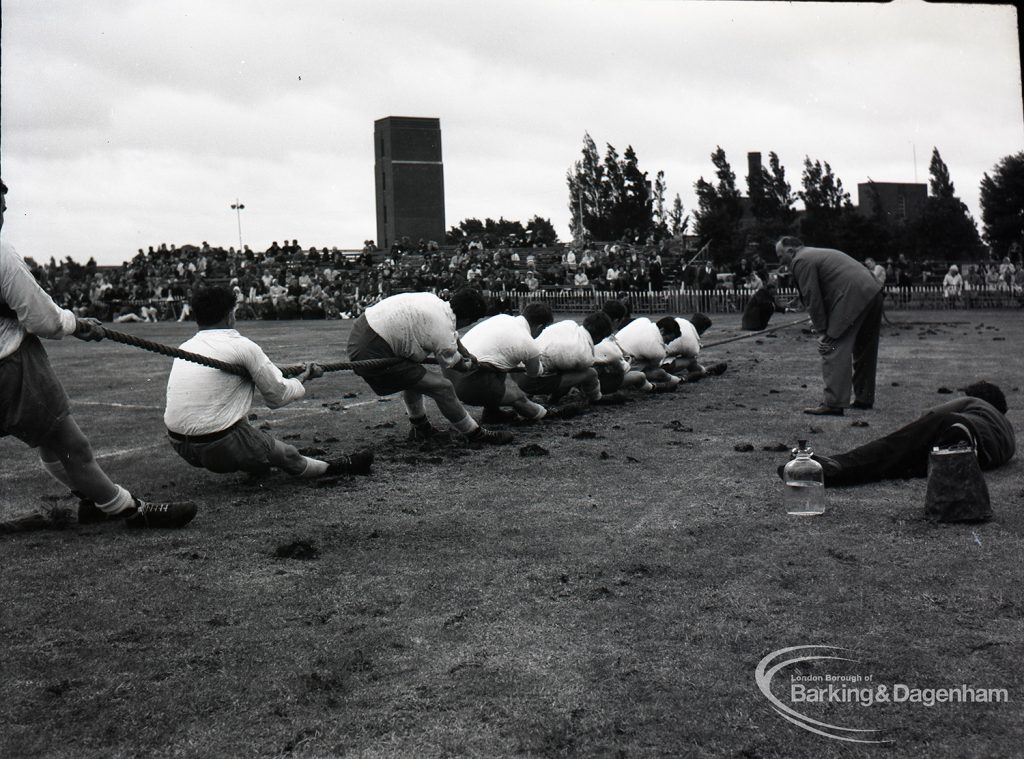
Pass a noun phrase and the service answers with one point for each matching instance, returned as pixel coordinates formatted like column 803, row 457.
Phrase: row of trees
column 612, row 199
column 537, row 231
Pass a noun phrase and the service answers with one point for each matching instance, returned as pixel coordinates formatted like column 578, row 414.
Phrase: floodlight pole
column 237, row 208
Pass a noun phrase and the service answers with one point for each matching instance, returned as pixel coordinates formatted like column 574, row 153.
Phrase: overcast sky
column 127, row 123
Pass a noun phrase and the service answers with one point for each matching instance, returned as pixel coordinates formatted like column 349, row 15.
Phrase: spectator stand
column 290, row 282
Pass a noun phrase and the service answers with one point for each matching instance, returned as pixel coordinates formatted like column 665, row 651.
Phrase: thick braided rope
column 195, row 358
column 167, row 350
column 336, row 366
column 755, row 334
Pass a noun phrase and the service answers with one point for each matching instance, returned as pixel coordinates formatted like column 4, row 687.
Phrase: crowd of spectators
column 287, row 281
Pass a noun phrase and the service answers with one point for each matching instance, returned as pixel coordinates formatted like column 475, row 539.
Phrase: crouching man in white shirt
column 406, row 329
column 644, row 344
column 567, row 355
column 683, row 351
column 207, row 409
column 503, row 344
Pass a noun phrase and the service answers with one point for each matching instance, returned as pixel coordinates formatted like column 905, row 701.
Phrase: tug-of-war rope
column 293, row 370
column 745, row 335
column 290, row 370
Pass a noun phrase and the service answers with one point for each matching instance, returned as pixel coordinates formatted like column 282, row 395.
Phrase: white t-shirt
column 416, row 324
column 688, row 344
column 641, row 341
column 36, row 311
column 202, row 400
column 608, row 351
column 503, row 341
column 565, row 346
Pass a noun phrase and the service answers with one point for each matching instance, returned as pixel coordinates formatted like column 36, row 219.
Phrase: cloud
column 142, row 121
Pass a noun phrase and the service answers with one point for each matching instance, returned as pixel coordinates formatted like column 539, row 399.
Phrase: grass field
column 611, row 598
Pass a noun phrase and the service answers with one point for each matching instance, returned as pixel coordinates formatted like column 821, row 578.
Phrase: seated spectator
column 128, row 315
column 611, row 277
column 992, row 279
column 952, row 283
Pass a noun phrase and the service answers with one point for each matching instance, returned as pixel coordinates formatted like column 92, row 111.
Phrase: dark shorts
column 364, row 344
column 546, row 384
column 610, row 376
column 479, row 387
column 32, row 400
column 239, row 448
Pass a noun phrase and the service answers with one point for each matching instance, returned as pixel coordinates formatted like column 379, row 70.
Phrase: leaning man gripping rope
column 410, row 326
column 35, row 409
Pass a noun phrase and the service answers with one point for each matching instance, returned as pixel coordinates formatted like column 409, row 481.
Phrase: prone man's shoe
column 160, row 515
column 491, row 437
column 716, row 370
column 358, row 462
column 824, row 410
column 830, row 468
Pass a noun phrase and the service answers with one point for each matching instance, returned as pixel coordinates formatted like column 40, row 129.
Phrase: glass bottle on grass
column 804, row 483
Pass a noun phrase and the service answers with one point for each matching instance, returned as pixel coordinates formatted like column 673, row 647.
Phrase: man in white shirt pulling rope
column 207, row 409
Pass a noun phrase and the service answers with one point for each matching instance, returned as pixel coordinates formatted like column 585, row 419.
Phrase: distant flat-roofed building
column 901, row 202
column 409, row 178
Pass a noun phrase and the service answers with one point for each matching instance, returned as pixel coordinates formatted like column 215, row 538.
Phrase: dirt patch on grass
column 611, row 597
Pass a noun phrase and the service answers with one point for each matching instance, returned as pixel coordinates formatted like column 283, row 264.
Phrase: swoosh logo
column 768, row 667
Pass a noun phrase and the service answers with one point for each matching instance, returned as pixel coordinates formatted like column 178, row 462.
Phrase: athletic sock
column 56, row 470
column 467, row 425
column 416, row 409
column 122, row 501
column 530, row 410
column 314, row 468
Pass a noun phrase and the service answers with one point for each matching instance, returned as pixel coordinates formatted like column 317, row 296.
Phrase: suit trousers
column 851, row 367
column 900, row 454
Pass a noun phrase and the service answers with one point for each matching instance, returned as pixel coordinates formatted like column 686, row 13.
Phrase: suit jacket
column 707, row 280
column 835, row 288
column 996, row 441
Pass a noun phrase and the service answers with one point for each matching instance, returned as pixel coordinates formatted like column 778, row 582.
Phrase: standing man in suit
column 707, row 279
column 844, row 302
